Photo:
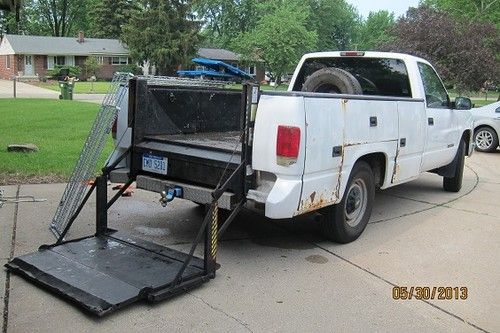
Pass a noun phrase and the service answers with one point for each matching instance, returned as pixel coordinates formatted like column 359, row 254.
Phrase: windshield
column 377, row 76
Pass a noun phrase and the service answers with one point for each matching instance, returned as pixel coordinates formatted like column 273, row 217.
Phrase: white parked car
column 486, row 127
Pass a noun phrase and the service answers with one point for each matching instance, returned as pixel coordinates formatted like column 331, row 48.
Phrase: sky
column 399, row 7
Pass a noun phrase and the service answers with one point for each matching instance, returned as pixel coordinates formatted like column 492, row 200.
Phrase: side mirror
column 463, row 103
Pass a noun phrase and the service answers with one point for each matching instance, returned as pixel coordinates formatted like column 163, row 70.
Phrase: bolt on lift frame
column 109, row 270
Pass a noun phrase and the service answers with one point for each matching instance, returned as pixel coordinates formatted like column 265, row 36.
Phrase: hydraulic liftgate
column 109, row 270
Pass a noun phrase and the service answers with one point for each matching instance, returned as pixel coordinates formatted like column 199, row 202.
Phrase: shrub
column 74, row 71
column 130, row 68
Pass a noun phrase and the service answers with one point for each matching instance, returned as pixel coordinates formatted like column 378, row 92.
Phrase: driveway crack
column 239, row 321
column 7, row 275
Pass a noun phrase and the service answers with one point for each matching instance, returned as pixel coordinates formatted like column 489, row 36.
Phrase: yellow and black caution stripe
column 213, row 230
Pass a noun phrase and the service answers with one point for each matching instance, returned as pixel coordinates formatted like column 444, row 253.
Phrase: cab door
column 411, row 141
column 441, row 122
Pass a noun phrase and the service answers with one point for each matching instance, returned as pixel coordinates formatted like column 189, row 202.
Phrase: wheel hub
column 356, row 202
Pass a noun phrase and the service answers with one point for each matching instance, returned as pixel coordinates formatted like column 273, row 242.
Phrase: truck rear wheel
column 454, row 184
column 332, row 80
column 345, row 221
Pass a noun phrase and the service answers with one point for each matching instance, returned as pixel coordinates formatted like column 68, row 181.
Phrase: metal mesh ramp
column 85, row 168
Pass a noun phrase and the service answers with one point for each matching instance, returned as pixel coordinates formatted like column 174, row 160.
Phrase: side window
column 497, row 110
column 435, row 94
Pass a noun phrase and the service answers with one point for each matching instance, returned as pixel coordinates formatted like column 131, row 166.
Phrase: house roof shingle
column 218, row 54
column 24, row 44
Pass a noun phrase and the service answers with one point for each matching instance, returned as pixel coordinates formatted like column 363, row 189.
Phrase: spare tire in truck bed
column 332, row 80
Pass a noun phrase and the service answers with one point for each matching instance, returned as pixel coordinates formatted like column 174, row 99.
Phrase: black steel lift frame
column 109, row 270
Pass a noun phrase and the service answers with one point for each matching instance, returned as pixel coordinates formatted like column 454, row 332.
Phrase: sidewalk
column 25, row 90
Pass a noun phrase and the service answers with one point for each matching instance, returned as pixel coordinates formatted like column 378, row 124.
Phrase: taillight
column 113, row 129
column 287, row 145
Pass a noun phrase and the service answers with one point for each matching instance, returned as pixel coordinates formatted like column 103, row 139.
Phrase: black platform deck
column 104, row 273
column 223, row 141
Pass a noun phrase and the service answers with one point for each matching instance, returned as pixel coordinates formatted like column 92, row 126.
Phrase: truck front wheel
column 345, row 221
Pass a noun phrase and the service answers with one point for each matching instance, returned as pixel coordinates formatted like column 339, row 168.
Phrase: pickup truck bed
column 197, row 132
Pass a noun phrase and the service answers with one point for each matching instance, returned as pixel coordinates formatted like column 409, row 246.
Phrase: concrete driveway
column 25, row 90
column 282, row 275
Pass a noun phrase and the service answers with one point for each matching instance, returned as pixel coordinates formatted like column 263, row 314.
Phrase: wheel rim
column 484, row 139
column 356, row 202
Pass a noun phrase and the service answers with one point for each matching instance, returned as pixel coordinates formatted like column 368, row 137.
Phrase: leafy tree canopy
column 374, row 31
column 464, row 52
column 476, row 10
column 162, row 32
column 280, row 37
column 108, row 17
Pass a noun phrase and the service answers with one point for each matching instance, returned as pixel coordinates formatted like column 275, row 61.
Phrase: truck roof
column 367, row 54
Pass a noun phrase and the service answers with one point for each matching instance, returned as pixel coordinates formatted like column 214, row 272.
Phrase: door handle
column 402, row 142
column 430, row 121
column 373, row 121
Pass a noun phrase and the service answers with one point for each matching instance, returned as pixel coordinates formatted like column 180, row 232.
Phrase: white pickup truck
column 350, row 123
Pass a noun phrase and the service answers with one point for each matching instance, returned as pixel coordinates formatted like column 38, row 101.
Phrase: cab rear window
column 377, row 76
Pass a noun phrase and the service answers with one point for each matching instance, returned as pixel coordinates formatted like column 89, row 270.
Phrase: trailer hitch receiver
column 169, row 194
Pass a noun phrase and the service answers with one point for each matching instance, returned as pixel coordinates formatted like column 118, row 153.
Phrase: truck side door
column 411, row 141
column 441, row 124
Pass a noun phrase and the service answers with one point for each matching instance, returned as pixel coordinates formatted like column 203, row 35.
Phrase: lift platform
column 110, row 269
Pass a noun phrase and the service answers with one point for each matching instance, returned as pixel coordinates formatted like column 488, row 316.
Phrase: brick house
column 33, row 56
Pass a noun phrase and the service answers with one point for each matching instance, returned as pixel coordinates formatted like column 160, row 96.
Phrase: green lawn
column 58, row 128
column 81, row 87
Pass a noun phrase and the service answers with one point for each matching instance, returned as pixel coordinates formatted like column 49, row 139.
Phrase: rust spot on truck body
column 310, row 205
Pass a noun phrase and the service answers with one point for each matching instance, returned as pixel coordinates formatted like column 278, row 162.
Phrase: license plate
column 154, row 164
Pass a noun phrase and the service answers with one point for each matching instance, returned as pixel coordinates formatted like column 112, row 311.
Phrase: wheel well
column 377, row 162
column 483, row 126
column 466, row 137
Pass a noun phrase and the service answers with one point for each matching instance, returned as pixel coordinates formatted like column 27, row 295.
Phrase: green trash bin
column 66, row 89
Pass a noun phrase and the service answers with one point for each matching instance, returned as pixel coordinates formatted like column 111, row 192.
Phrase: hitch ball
column 169, row 194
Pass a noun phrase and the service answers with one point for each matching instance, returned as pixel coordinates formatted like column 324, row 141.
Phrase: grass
column 81, row 87
column 59, row 129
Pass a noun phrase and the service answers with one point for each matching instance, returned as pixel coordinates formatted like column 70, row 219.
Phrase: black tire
column 485, row 139
column 332, row 80
column 336, row 224
column 454, row 184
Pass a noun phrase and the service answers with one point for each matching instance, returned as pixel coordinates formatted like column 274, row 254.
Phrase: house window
column 56, row 60
column 60, row 60
column 251, row 70
column 100, row 60
column 7, row 61
column 119, row 60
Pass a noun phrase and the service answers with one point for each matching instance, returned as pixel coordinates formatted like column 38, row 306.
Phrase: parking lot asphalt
column 283, row 275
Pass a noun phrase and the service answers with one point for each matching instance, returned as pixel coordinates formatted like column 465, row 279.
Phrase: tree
column 91, row 66
column 224, row 20
column 280, row 38
column 162, row 32
column 374, row 31
column 464, row 52
column 108, row 17
column 57, row 17
column 475, row 10
column 336, row 23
